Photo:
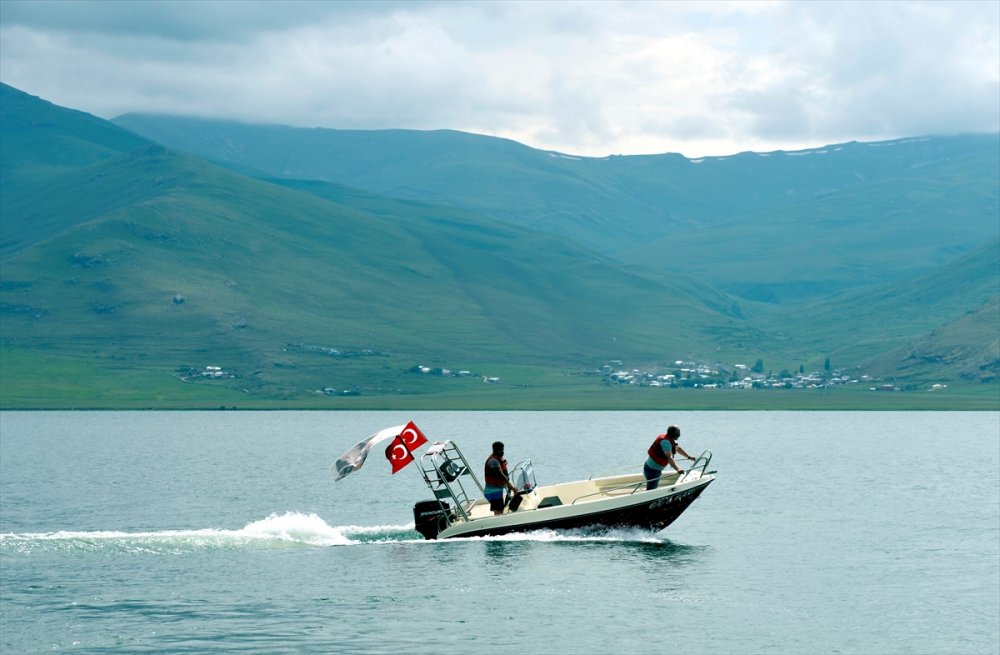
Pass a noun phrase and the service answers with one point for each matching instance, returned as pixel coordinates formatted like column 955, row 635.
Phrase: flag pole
column 420, row 469
column 405, row 446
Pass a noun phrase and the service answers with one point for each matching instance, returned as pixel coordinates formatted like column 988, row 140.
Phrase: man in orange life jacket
column 661, row 454
column 496, row 479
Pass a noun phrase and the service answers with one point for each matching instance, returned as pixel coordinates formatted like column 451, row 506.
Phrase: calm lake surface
column 212, row 532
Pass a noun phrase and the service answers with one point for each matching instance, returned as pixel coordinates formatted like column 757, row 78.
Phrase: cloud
column 580, row 77
column 871, row 70
column 183, row 20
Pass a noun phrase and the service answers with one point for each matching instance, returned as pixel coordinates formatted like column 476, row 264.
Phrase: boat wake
column 288, row 530
column 277, row 531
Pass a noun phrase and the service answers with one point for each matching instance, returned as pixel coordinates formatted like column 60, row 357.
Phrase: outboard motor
column 430, row 517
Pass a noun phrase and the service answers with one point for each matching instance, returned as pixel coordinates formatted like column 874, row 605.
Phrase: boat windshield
column 522, row 476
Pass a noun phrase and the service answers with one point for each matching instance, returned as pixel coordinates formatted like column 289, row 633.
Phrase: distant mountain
column 860, row 325
column 968, row 346
column 939, row 199
column 40, row 137
column 127, row 266
column 153, row 260
column 38, row 142
column 773, row 227
column 495, row 177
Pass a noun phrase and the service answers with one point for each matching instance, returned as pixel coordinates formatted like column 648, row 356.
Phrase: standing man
column 661, row 454
column 496, row 479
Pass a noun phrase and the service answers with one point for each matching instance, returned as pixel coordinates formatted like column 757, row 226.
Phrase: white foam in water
column 297, row 528
column 629, row 535
column 281, row 530
column 289, row 529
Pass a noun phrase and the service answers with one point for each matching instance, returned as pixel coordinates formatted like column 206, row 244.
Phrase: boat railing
column 631, row 488
column 446, row 473
column 700, row 466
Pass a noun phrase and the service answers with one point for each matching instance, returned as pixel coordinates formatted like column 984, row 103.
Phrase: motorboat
column 459, row 509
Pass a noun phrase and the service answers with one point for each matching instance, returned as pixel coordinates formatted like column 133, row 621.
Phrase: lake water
column 211, row 532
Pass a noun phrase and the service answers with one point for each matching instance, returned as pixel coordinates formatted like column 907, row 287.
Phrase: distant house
column 213, row 372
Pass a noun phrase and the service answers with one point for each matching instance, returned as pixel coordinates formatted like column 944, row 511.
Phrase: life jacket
column 490, row 474
column 656, row 451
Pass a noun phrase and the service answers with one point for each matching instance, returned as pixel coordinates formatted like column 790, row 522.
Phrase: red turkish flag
column 412, row 436
column 397, row 454
column 400, row 451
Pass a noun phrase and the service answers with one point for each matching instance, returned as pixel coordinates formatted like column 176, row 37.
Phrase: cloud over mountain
column 584, row 78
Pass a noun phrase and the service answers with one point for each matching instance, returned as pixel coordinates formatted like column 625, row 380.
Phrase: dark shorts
column 496, row 499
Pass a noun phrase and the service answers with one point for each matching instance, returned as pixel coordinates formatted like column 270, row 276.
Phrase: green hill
column 773, row 227
column 38, row 142
column 153, row 265
column 494, row 177
column 966, row 349
column 868, row 327
column 41, row 137
column 923, row 215
column 127, row 269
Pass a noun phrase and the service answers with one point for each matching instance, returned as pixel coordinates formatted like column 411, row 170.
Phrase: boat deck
column 574, row 493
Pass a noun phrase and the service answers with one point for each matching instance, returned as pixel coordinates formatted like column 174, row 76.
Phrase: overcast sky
column 589, row 78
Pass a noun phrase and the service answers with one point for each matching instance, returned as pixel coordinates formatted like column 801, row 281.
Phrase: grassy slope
column 495, row 177
column 873, row 324
column 641, row 313
column 877, row 231
column 39, row 136
column 784, row 225
column 81, row 383
column 966, row 349
column 88, row 294
column 38, row 142
column 260, row 267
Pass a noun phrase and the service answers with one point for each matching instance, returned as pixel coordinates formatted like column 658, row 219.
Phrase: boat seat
column 550, row 501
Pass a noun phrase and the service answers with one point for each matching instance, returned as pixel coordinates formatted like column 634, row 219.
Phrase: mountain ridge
column 128, row 260
column 197, row 263
column 637, row 208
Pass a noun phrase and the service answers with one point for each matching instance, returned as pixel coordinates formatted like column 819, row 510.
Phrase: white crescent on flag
column 398, row 454
column 399, row 451
column 353, row 459
column 412, row 437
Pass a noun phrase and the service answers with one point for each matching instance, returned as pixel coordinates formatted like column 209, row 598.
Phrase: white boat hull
column 620, row 501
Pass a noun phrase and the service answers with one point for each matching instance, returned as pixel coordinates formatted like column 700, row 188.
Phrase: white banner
column 353, row 459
